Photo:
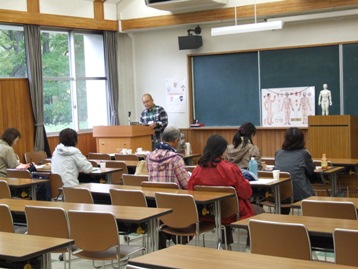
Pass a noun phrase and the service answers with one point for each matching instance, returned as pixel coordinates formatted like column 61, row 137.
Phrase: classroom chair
column 126, row 157
column 4, row 189
column 51, row 222
column 55, row 187
column 37, row 157
column 288, row 240
column 228, row 206
column 77, row 195
column 98, row 156
column 6, row 221
column 167, row 185
column 134, row 180
column 345, row 246
column 184, row 220
column 95, row 242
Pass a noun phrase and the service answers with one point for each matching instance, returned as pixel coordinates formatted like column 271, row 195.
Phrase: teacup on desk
column 276, row 174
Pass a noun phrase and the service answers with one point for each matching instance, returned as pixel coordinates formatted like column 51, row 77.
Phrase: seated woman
column 242, row 148
column 213, row 170
column 8, row 157
column 67, row 160
column 295, row 159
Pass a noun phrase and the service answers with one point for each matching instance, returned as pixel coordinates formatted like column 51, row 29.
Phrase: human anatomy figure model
column 325, row 100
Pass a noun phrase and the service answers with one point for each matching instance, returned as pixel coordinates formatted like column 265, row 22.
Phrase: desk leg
column 33, row 192
column 277, row 199
column 109, row 178
column 154, row 235
column 218, row 222
column 46, row 261
column 333, row 178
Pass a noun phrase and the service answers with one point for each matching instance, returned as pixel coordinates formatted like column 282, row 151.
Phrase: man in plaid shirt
column 154, row 116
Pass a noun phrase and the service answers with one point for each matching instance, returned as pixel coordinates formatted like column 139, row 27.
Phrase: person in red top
column 214, row 170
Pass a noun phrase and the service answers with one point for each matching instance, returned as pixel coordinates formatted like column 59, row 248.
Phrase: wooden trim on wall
column 98, row 9
column 20, row 17
column 33, row 6
column 16, row 112
column 265, row 10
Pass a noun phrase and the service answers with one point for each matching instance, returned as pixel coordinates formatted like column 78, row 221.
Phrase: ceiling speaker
column 190, row 42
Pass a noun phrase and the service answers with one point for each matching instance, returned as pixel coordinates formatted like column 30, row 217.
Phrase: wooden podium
column 335, row 135
column 111, row 138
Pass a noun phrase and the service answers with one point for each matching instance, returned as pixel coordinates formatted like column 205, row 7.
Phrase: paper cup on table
column 129, row 151
column 102, row 166
column 276, row 174
column 139, row 150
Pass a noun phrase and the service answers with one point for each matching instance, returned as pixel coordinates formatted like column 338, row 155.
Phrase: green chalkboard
column 226, row 87
column 350, row 78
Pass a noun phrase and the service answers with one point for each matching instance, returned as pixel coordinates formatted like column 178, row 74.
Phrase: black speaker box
column 190, row 42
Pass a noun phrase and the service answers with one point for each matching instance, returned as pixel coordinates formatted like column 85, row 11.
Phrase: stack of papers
column 262, row 181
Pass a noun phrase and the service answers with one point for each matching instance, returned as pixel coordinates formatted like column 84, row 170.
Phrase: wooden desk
column 325, row 198
column 21, row 247
column 200, row 197
column 191, row 257
column 331, row 172
column 188, row 159
column 25, row 182
column 132, row 164
column 126, row 214
column 315, row 225
column 271, row 183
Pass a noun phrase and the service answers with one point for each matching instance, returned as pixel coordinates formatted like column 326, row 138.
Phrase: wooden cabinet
column 335, row 135
column 111, row 138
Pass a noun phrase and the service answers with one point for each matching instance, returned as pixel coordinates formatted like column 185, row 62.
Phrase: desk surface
column 21, row 247
column 316, row 225
column 191, row 257
column 199, row 196
column 23, row 182
column 128, row 214
column 268, row 182
column 354, row 200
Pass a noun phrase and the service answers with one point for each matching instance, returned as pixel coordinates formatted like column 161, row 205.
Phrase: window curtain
column 34, row 71
column 110, row 56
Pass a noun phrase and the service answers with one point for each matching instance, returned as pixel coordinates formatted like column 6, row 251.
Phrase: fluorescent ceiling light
column 247, row 28
column 317, row 16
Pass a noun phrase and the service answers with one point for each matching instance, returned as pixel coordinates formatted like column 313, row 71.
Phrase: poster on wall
column 285, row 107
column 176, row 94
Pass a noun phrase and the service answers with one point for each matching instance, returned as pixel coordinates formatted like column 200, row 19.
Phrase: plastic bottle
column 324, row 164
column 253, row 166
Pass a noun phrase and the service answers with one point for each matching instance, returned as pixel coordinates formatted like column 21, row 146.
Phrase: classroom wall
column 155, row 56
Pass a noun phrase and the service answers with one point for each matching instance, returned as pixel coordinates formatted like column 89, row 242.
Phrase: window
column 12, row 52
column 74, row 80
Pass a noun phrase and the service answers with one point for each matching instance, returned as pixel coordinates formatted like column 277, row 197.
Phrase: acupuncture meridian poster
column 285, row 107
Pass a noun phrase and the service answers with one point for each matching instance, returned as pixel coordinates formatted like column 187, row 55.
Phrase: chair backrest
column 167, row 185
column 288, row 240
column 133, row 180
column 4, row 189
column 37, row 157
column 99, row 156
column 77, row 195
column 126, row 157
column 117, row 176
column 6, row 221
column 228, row 206
column 329, row 209
column 55, row 185
column 47, row 221
column 18, row 173
column 286, row 187
column 93, row 231
column 184, row 213
column 128, row 197
column 345, row 246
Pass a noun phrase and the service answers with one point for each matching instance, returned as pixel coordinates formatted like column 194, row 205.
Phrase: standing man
column 154, row 116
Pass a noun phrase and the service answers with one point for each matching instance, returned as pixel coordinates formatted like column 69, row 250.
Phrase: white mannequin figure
column 325, row 100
